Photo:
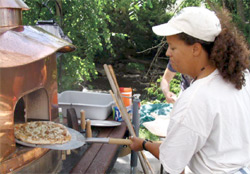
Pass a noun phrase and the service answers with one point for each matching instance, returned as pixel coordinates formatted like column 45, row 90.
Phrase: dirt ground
column 133, row 81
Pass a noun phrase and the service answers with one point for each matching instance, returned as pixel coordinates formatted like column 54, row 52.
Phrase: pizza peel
column 77, row 140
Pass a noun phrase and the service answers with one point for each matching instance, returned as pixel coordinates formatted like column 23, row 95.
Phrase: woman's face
column 180, row 54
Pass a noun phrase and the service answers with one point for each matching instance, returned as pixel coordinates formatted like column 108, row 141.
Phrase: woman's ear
column 197, row 48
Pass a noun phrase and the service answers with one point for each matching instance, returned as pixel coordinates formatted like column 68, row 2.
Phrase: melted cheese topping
column 42, row 132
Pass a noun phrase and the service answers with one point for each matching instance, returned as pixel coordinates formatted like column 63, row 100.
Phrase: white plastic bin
column 97, row 106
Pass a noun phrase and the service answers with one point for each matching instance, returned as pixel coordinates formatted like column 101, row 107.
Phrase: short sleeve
column 169, row 66
column 179, row 146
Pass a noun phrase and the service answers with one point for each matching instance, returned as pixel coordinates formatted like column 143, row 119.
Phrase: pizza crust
column 42, row 132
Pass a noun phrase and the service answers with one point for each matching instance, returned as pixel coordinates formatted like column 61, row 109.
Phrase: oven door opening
column 33, row 106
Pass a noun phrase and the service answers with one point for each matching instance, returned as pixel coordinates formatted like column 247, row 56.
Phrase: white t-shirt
column 209, row 128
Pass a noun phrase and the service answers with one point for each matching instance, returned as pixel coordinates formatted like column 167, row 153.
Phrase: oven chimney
column 11, row 12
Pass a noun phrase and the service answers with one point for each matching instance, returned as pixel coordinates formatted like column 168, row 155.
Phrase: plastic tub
column 97, row 106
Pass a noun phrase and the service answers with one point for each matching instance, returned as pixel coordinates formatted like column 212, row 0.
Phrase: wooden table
column 100, row 158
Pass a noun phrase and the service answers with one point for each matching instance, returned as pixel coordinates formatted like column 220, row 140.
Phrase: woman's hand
column 170, row 97
column 136, row 143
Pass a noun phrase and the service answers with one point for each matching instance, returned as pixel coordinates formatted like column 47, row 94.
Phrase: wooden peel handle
column 120, row 141
column 88, row 129
column 83, row 121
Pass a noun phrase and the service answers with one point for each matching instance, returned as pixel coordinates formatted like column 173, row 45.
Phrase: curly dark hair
column 228, row 53
column 231, row 58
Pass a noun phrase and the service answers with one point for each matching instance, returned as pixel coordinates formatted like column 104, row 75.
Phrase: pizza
column 42, row 132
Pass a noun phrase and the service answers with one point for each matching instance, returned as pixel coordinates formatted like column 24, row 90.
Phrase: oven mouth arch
column 33, row 105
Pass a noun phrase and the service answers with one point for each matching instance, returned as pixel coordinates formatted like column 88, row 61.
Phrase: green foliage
column 155, row 92
column 84, row 24
column 145, row 134
column 134, row 19
column 243, row 26
column 76, row 71
column 100, row 29
column 175, row 84
column 104, row 31
column 39, row 10
column 188, row 3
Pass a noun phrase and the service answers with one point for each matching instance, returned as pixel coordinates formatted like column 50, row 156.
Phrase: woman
column 209, row 128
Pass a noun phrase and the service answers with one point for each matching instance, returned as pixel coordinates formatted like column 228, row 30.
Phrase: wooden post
column 63, row 154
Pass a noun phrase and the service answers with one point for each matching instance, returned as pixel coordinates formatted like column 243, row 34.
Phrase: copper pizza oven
column 28, row 86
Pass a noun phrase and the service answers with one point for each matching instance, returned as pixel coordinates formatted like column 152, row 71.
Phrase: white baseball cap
column 198, row 22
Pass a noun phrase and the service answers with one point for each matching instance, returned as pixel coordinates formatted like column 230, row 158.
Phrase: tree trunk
column 248, row 11
column 59, row 11
column 240, row 10
column 60, row 17
column 223, row 4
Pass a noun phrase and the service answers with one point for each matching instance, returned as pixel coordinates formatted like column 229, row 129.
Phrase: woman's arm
column 153, row 148
column 165, row 85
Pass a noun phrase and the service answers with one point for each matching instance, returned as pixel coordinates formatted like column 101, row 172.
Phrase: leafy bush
column 144, row 133
column 155, row 94
column 175, row 84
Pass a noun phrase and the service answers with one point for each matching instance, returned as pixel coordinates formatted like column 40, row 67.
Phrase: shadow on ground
column 122, row 165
